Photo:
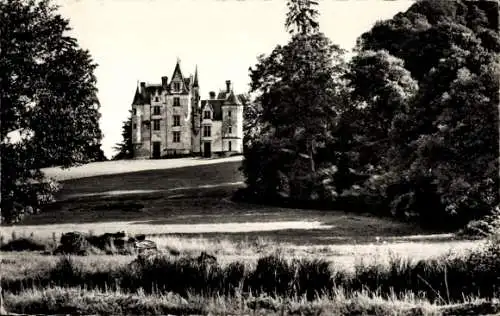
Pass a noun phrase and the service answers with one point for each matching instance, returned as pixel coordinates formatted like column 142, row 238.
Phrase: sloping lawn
column 194, row 201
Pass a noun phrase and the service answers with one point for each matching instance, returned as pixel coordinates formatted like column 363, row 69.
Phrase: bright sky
column 140, row 40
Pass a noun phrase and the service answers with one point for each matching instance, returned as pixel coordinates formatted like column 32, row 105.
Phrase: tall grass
column 76, row 301
column 443, row 280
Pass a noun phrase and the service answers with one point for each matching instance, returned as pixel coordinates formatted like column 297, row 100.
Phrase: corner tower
column 232, row 121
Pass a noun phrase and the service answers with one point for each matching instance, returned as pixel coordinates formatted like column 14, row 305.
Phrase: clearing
column 178, row 200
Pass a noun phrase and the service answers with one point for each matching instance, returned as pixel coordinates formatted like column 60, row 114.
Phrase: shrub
column 481, row 228
column 273, row 275
column 313, row 278
column 24, row 190
column 23, row 244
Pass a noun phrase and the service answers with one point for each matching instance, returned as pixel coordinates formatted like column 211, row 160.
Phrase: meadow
column 185, row 206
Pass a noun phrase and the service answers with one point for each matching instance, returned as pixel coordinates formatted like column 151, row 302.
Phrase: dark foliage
column 125, row 148
column 410, row 129
column 23, row 244
column 49, row 105
column 443, row 280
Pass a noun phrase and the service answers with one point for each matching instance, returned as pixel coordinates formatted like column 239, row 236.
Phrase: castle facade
column 170, row 119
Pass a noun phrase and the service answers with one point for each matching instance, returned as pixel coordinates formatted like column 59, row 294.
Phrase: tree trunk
column 311, row 157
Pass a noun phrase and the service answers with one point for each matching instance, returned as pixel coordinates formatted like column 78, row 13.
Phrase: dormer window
column 206, row 115
column 134, row 111
column 177, row 86
column 229, row 113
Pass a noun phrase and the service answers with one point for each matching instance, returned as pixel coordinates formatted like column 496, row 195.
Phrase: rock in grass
column 74, row 243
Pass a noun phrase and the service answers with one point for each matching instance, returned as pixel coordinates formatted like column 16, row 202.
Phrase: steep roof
column 195, row 81
column 144, row 97
column 138, row 98
column 233, row 99
column 177, row 70
column 216, row 106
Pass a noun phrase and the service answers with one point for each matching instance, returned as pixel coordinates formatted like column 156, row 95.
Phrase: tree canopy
column 48, row 83
column 48, row 96
column 443, row 144
column 409, row 125
column 297, row 88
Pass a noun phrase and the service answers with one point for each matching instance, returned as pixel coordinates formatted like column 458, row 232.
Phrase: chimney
column 228, row 86
column 212, row 95
column 164, row 82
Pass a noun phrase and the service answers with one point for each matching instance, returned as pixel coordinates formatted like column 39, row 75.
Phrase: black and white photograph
column 250, row 157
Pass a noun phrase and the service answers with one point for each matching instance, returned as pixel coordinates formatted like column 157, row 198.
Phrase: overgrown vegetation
column 408, row 128
column 89, row 302
column 447, row 279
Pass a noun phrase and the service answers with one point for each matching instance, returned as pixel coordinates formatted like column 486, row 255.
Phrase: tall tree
column 48, row 83
column 381, row 88
column 297, row 87
column 125, row 148
column 49, row 93
column 444, row 147
column 302, row 16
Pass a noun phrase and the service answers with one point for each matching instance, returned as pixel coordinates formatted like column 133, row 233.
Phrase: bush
column 24, row 188
column 313, row 278
column 273, row 275
column 23, row 244
column 481, row 228
column 163, row 273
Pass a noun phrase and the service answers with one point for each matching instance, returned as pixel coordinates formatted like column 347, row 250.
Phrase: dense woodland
column 408, row 127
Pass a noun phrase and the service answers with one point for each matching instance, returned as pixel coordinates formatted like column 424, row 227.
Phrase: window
column 177, row 86
column 177, row 101
column 229, row 145
column 156, row 110
column 229, row 113
column 207, row 131
column 156, row 125
column 206, row 115
column 134, row 126
column 135, row 111
column 157, row 99
column 177, row 120
column 230, row 129
column 177, row 137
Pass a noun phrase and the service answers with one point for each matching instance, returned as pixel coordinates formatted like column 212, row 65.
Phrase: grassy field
column 185, row 206
column 192, row 201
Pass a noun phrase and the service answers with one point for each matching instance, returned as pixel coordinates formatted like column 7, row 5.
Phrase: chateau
column 170, row 119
